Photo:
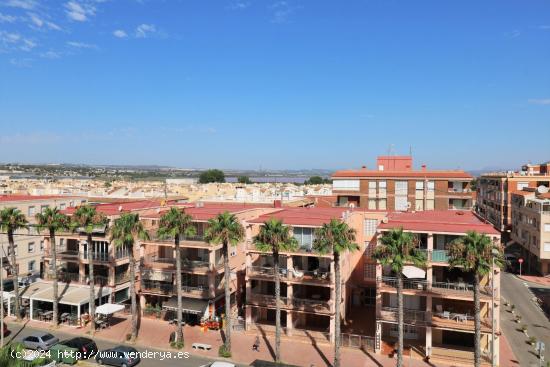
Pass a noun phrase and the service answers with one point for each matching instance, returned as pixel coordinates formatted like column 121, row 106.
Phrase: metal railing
column 158, row 287
column 436, row 255
column 122, row 278
column 407, row 283
column 409, row 316
column 363, row 342
column 310, row 304
column 96, row 256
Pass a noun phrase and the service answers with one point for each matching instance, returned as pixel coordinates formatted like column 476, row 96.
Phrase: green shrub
column 224, row 352
column 177, row 345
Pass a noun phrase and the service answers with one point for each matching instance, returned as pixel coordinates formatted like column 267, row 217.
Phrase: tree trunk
column 477, row 324
column 399, row 319
column 15, row 275
column 277, row 305
column 227, row 276
column 55, row 284
column 92, row 284
column 133, row 294
column 337, row 298
column 179, row 329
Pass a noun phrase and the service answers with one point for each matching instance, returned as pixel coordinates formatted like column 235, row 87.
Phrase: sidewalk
column 543, row 281
column 155, row 334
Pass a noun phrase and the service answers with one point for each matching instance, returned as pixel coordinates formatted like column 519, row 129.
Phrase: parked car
column 118, row 356
column 40, row 341
column 219, row 364
column 87, row 347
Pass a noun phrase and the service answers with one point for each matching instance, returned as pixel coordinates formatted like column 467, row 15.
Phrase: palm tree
column 396, row 249
column 274, row 236
column 335, row 237
column 226, row 229
column 52, row 220
column 125, row 231
column 86, row 219
column 11, row 220
column 475, row 253
column 175, row 224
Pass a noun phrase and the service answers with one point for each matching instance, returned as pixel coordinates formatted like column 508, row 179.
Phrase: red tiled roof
column 8, row 198
column 438, row 221
column 125, row 206
column 314, row 217
column 208, row 210
column 402, row 174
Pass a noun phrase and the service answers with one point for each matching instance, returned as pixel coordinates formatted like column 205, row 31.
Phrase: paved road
column 18, row 333
column 517, row 293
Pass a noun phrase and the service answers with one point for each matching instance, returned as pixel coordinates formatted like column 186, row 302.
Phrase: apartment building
column 438, row 301
column 29, row 245
column 531, row 228
column 111, row 264
column 395, row 186
column 203, row 274
column 307, row 278
column 494, row 192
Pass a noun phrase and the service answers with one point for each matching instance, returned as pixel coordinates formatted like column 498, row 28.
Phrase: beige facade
column 531, row 229
column 29, row 243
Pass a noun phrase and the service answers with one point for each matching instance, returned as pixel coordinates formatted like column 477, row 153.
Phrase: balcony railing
column 96, row 256
column 409, row 316
column 266, row 271
column 439, row 256
column 122, row 278
column 158, row 287
column 202, row 291
column 435, row 287
column 65, row 277
column 295, row 302
column 407, row 284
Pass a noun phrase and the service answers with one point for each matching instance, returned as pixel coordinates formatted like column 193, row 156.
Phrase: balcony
column 198, row 291
column 436, row 256
column 315, row 276
column 64, row 277
column 157, row 287
column 459, row 321
column 299, row 304
column 459, row 289
column 391, row 282
column 266, row 272
column 122, row 278
column 62, row 253
column 415, row 317
column 301, row 250
column 186, row 264
column 96, row 256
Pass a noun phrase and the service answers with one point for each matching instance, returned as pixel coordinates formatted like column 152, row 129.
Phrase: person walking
column 256, row 345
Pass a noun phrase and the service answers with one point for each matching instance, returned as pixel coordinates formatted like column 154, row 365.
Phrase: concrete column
column 289, row 266
column 111, row 276
column 142, row 303
column 428, row 341
column 289, row 323
column 332, row 329
column 212, row 259
column 31, row 309
column 248, row 316
column 430, row 243
column 378, row 338
column 82, row 272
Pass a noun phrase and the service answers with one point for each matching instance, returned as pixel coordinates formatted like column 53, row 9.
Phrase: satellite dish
column 542, row 189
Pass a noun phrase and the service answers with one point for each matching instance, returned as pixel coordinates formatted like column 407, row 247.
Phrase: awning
column 412, row 272
column 108, row 309
column 189, row 305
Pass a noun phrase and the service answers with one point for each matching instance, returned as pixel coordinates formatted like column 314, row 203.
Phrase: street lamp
column 494, row 253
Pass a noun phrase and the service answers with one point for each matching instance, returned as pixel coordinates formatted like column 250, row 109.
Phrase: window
column 546, row 227
column 42, row 245
column 14, row 248
column 31, row 265
column 382, row 189
column 401, row 203
column 419, row 205
column 61, row 242
column 370, row 227
column 401, row 188
column 304, row 236
column 382, row 204
column 350, row 185
column 522, row 185
column 43, row 208
column 372, row 188
column 369, row 271
column 372, row 204
column 62, row 206
column 32, row 211
column 547, row 246
column 30, row 247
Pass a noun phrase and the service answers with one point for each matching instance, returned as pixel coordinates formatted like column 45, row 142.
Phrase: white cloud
column 23, row 4
column 120, row 33
column 544, row 101
column 281, row 11
column 143, row 30
column 239, row 5
column 37, row 21
column 14, row 41
column 81, row 45
column 6, row 18
column 50, row 55
column 20, row 63
column 79, row 11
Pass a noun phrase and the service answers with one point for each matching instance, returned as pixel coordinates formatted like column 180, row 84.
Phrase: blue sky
column 277, row 84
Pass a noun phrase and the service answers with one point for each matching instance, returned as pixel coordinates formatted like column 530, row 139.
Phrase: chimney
column 423, row 167
column 277, row 204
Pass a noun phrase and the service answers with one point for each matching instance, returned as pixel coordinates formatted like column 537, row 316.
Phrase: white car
column 219, row 364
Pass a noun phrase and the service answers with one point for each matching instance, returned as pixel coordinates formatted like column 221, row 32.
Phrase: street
column 19, row 331
column 517, row 293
